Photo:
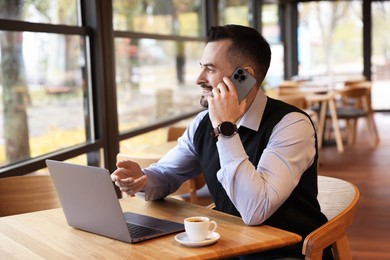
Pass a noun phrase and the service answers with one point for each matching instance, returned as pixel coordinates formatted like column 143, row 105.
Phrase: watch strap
column 219, row 130
column 215, row 132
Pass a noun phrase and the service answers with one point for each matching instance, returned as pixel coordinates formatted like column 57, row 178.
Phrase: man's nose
column 201, row 79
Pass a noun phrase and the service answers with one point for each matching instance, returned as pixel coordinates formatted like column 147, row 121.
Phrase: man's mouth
column 206, row 89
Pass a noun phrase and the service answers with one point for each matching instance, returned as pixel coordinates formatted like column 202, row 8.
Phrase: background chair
column 355, row 104
column 338, row 199
column 22, row 194
column 297, row 99
column 358, row 84
column 355, row 80
column 288, row 87
column 174, row 132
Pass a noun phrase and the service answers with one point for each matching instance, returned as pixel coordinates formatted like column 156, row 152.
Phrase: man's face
column 214, row 66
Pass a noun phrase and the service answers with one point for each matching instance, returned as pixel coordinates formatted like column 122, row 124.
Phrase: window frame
column 96, row 27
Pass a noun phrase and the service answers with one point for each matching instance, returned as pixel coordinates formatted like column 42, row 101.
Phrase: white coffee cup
column 198, row 228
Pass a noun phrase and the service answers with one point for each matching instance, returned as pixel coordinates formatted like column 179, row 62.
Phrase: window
column 155, row 79
column 167, row 17
column 157, row 52
column 380, row 54
column 330, row 38
column 234, row 12
column 272, row 33
column 44, row 85
column 63, row 96
column 50, row 12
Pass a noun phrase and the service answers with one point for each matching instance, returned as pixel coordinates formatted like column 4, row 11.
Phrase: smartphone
column 243, row 81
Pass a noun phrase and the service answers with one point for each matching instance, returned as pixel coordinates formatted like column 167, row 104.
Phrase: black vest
column 300, row 213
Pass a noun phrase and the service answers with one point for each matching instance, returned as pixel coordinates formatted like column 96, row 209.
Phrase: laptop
column 90, row 203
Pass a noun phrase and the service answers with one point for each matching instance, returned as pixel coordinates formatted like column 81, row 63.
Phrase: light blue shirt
column 257, row 191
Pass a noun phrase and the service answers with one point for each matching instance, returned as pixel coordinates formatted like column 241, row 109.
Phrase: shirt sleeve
column 174, row 168
column 258, row 191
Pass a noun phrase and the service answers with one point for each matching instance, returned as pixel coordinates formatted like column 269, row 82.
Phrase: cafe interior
column 96, row 82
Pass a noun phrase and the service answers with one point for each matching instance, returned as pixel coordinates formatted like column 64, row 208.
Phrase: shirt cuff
column 230, row 149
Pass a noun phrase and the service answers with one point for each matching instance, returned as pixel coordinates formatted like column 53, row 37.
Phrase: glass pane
column 42, row 94
column 330, row 38
column 43, row 11
column 234, row 12
column 81, row 159
column 142, row 144
column 155, row 79
column 139, row 144
column 380, row 55
column 171, row 17
column 271, row 32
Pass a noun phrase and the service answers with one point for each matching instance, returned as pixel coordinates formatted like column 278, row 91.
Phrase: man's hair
column 247, row 46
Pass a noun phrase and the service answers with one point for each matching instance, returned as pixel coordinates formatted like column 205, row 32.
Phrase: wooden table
column 327, row 100
column 323, row 92
column 45, row 234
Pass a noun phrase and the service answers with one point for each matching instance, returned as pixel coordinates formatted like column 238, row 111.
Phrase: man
column 260, row 162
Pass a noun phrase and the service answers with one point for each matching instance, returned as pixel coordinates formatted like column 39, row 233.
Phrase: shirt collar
column 252, row 117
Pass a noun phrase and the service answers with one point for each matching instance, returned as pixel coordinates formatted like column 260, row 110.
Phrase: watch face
column 227, row 128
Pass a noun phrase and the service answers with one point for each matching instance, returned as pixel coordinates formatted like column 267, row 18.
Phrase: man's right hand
column 223, row 103
column 129, row 177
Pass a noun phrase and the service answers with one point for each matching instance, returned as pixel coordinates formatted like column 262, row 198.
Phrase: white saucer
column 183, row 239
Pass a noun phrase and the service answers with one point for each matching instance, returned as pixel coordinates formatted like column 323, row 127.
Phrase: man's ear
column 250, row 70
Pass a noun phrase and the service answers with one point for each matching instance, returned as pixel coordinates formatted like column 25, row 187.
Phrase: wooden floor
column 369, row 169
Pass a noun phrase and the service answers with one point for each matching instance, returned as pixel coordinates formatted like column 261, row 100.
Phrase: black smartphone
column 243, row 81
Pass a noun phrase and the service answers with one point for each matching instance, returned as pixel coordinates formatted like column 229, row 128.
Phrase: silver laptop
column 90, row 203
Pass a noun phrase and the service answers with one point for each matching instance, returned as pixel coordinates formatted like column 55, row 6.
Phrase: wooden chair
column 297, row 100
column 22, row 194
column 359, row 84
column 338, row 199
column 356, row 103
column 174, row 132
column 289, row 87
column 353, row 81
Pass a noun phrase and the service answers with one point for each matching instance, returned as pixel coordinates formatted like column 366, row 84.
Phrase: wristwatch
column 225, row 129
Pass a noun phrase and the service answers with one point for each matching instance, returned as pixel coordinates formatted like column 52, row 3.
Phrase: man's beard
column 203, row 102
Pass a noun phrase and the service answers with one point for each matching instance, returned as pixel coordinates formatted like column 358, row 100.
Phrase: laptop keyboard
column 140, row 231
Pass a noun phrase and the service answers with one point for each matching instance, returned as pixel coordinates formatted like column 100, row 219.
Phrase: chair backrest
column 358, row 90
column 288, row 87
column 353, row 81
column 297, row 100
column 174, row 132
column 22, row 194
column 361, row 83
column 338, row 199
column 366, row 84
column 359, row 95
